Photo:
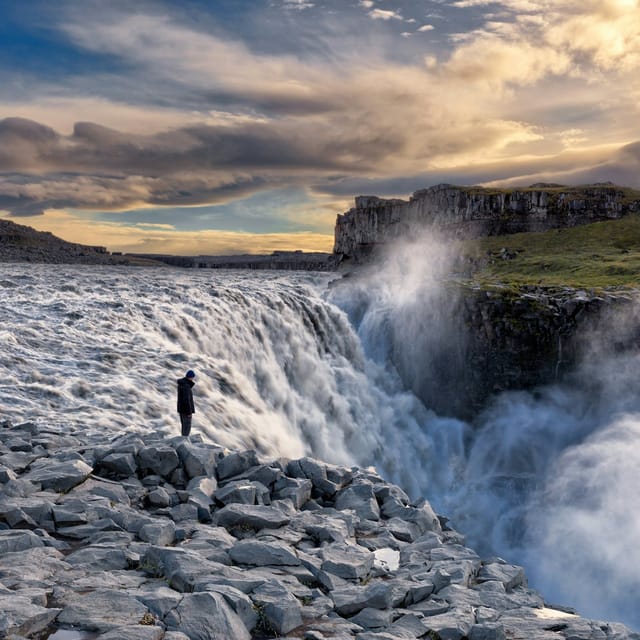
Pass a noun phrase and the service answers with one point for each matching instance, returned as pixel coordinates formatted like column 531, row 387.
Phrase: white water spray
column 547, row 479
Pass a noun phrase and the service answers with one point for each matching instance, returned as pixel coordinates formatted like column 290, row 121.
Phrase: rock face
column 101, row 559
column 20, row 243
column 473, row 212
column 278, row 260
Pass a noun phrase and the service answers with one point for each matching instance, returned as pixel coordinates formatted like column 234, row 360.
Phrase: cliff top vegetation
column 598, row 255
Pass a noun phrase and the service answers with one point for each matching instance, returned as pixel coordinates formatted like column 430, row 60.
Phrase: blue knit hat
column 190, row 374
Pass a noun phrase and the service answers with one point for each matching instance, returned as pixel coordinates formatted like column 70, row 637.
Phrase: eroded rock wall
column 475, row 212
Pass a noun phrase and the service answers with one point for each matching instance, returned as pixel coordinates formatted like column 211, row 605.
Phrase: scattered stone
column 296, row 549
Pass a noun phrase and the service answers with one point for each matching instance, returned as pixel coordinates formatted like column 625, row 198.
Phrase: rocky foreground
column 143, row 538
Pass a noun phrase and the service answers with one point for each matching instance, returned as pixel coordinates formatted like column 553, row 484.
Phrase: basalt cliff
column 471, row 212
column 496, row 336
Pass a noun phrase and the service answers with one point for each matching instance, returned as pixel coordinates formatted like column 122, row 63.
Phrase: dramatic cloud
column 183, row 111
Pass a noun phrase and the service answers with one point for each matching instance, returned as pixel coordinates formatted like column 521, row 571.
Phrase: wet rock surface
column 151, row 546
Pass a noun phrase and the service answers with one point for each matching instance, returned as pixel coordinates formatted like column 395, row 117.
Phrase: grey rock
column 161, row 533
column 120, row 465
column 260, row 553
column 158, row 459
column 239, row 491
column 159, row 599
column 488, row 631
column 17, row 461
column 236, row 463
column 20, row 540
column 159, row 498
column 6, row 474
column 183, row 512
column 134, row 632
column 34, row 566
column 59, row 476
column 204, row 485
column 374, row 618
column 510, row 575
column 453, row 625
column 295, row 489
column 207, row 616
column 323, row 526
column 347, row 561
column 103, row 610
column 361, row 498
column 278, row 610
column 352, row 599
column 198, row 460
column 254, row 517
column 106, row 558
column 314, row 471
column 20, row 616
column 239, row 602
column 64, row 517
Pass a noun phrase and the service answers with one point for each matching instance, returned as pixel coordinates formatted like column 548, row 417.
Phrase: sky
column 246, row 126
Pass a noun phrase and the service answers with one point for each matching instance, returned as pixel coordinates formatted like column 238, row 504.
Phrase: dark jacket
column 185, row 396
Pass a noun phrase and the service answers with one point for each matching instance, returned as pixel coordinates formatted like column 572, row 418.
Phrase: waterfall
column 290, row 365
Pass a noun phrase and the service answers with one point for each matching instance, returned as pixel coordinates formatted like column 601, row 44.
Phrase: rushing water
column 289, row 366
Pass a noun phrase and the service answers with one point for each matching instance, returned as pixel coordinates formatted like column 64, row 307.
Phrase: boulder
column 19, row 540
column 347, row 561
column 159, row 459
column 236, row 463
column 102, row 610
column 239, row 491
column 250, row 517
column 120, row 465
column 361, row 499
column 161, row 533
column 354, row 598
column 59, row 476
column 198, row 460
column 20, row 616
column 135, row 632
column 259, row 553
column 295, row 489
column 206, row 616
column 278, row 610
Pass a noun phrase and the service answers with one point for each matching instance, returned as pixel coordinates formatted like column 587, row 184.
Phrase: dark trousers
column 185, row 422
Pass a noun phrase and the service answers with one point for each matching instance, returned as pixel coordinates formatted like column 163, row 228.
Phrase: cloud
column 383, row 14
column 495, row 99
column 426, row 27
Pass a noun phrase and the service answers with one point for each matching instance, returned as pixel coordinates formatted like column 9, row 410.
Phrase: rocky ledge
column 473, row 212
column 142, row 538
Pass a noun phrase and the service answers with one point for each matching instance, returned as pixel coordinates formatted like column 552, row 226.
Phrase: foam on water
column 548, row 480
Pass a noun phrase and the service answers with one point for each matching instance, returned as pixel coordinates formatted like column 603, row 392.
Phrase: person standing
column 186, row 408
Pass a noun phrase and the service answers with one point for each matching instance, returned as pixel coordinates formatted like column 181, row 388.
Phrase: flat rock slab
column 103, row 610
column 18, row 540
column 254, row 517
column 207, row 616
column 347, row 561
column 60, row 476
column 134, row 632
column 261, row 554
column 20, row 616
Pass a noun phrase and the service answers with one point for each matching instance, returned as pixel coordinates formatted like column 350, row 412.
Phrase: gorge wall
column 472, row 212
column 475, row 341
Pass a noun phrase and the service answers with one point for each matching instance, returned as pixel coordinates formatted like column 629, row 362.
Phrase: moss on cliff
column 602, row 254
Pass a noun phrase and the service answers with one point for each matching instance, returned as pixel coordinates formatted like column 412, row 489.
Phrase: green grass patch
column 598, row 255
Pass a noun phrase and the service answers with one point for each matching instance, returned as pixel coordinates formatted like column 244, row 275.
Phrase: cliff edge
column 472, row 212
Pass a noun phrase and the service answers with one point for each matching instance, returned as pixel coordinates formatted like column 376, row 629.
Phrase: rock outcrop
column 177, row 539
column 472, row 212
column 20, row 243
column 278, row 260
